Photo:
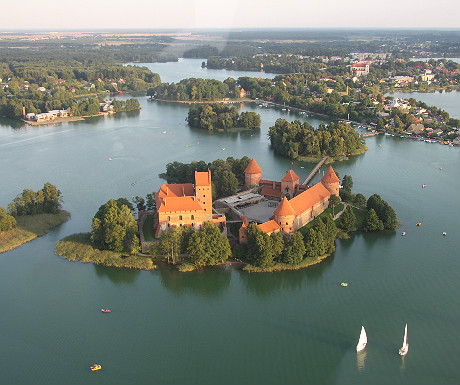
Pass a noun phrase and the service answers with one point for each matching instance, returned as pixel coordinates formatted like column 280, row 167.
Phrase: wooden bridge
column 314, row 171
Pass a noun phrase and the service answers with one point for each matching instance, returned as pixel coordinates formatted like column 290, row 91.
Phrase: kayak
column 96, row 367
column 106, row 310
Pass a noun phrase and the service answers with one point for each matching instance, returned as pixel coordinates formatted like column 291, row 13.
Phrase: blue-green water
column 224, row 326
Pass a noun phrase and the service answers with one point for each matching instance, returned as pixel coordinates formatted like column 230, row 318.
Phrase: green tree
column 139, row 202
column 360, row 200
column 313, row 244
column 170, row 243
column 114, row 228
column 52, row 198
column 347, row 182
column 209, row 246
column 334, row 200
column 295, row 249
column 348, row 219
column 372, row 221
column 7, row 221
column 260, row 247
column 330, row 233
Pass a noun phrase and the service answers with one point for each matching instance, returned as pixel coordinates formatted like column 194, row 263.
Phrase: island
column 263, row 226
column 221, row 117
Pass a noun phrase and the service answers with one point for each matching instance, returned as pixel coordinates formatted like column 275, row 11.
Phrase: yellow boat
column 96, row 367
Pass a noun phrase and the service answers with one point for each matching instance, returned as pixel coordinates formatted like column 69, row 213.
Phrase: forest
column 220, row 116
column 297, row 139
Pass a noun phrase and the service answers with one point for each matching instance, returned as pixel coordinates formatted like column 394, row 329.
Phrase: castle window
column 193, row 217
column 204, row 196
column 180, row 218
column 169, row 218
column 286, row 223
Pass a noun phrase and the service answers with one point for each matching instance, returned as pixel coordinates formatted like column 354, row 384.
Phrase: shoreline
column 64, row 120
column 30, row 227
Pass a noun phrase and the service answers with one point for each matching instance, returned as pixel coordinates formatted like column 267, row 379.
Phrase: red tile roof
column 269, row 191
column 203, row 178
column 284, row 208
column 309, row 198
column 171, row 204
column 176, row 190
column 253, row 168
column 330, row 176
column 269, row 227
column 290, row 176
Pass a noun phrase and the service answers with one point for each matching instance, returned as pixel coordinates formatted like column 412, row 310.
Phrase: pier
column 314, row 171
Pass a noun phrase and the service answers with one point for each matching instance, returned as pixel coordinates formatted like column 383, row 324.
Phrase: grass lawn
column 303, row 230
column 29, row 227
column 149, row 235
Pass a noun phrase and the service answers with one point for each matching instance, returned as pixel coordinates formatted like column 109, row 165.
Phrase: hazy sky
column 184, row 14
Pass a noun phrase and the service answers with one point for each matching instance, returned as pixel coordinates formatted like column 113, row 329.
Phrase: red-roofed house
column 360, row 68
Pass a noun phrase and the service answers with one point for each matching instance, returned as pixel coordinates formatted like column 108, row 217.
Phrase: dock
column 314, row 171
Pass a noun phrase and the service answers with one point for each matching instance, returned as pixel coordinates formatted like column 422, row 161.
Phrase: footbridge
column 314, row 171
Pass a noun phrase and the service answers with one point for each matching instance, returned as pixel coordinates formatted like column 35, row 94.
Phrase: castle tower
column 242, row 231
column 252, row 174
column 288, row 184
column 284, row 216
column 203, row 192
column 331, row 181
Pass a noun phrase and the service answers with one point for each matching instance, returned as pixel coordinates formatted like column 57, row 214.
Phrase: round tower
column 252, row 174
column 331, row 181
column 284, row 215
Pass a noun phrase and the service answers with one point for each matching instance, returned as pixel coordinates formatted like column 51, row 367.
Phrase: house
column 186, row 204
column 360, row 69
column 299, row 204
column 243, row 93
column 427, row 76
column 41, row 89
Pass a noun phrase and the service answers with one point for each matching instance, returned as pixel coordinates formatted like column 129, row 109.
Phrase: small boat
column 164, row 132
column 423, row 185
column 404, row 349
column 96, row 367
column 440, row 168
column 444, row 233
column 418, row 224
column 362, row 340
column 344, row 284
column 106, row 310
column 403, row 233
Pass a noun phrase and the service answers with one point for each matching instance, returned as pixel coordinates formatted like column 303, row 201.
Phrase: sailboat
column 405, row 347
column 362, row 340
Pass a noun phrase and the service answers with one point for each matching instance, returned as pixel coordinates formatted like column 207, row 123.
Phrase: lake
column 225, row 326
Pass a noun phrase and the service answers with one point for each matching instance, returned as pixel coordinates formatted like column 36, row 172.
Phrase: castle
column 186, row 204
column 299, row 203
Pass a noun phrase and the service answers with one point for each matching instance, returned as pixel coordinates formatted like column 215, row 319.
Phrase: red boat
column 106, row 310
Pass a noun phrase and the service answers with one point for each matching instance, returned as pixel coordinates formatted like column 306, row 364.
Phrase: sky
column 185, row 14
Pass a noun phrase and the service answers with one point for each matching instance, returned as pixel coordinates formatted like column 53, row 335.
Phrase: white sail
column 405, row 346
column 362, row 340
